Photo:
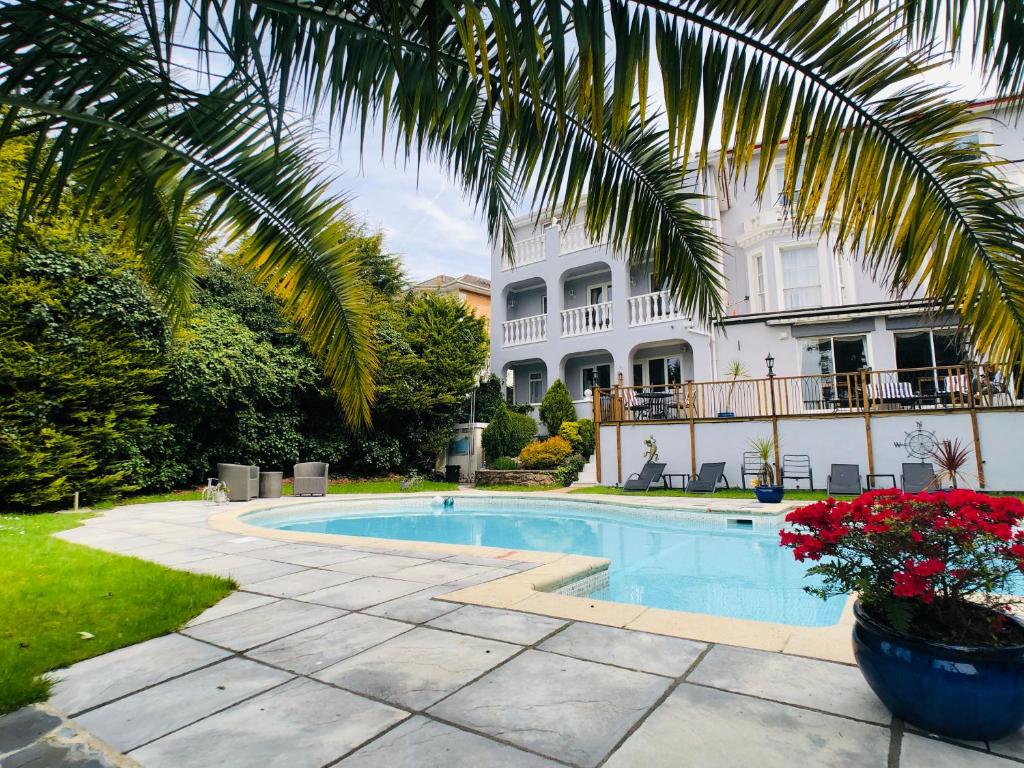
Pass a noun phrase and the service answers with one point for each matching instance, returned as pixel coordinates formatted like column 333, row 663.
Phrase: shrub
column 587, row 437
column 580, row 435
column 570, row 469
column 507, row 434
column 504, row 462
column 556, row 407
column 932, row 564
column 545, row 454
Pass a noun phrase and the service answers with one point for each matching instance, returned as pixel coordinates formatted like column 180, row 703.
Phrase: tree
column 550, row 99
column 507, row 433
column 556, row 407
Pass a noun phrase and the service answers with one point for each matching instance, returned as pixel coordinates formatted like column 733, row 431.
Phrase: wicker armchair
column 242, row 480
column 310, row 479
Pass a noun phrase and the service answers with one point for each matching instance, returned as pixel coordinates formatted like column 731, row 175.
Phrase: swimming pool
column 676, row 559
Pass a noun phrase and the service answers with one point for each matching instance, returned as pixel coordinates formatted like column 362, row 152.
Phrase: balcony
column 651, row 308
column 528, row 251
column 574, row 238
column 525, row 330
column 593, row 318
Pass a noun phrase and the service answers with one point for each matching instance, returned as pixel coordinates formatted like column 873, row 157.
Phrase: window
column 653, row 283
column 658, row 371
column 826, row 357
column 801, row 281
column 757, row 284
column 544, row 304
column 536, row 387
column 780, row 185
column 598, row 294
column 603, row 374
column 926, row 348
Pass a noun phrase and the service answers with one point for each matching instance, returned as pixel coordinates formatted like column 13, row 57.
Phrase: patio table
column 656, row 402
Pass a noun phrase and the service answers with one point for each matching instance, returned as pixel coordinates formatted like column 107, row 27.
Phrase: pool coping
column 531, row 591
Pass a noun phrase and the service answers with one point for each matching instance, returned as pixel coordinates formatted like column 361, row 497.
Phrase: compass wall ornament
column 919, row 443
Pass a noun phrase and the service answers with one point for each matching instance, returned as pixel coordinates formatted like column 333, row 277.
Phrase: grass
column 337, row 486
column 517, row 488
column 52, row 590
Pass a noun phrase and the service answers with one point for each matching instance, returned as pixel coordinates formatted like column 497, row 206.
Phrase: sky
column 425, row 217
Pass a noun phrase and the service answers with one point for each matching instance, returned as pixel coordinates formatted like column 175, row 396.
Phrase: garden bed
column 531, row 477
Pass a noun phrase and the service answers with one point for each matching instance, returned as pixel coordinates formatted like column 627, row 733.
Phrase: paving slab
column 257, row 626
column 362, row 593
column 147, row 715
column 221, row 565
column 922, row 752
column 444, row 572
column 417, row 607
column 307, row 554
column 22, row 727
column 835, row 688
column 423, row 743
column 301, row 582
column 660, row 655
column 418, row 668
column 100, row 679
column 562, row 707
column 377, row 565
column 264, row 570
column 234, row 603
column 699, row 727
column 490, row 574
column 183, row 555
column 302, row 724
column 497, row 624
column 321, row 646
column 1011, row 746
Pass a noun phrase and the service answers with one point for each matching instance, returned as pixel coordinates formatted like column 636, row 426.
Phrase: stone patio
column 344, row 656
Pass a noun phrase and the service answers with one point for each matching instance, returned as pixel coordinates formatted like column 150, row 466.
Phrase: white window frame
column 587, row 368
column 758, row 300
column 538, row 378
column 606, row 292
column 778, row 185
column 825, row 288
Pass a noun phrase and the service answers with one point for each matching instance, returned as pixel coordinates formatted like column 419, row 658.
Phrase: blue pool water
column 682, row 561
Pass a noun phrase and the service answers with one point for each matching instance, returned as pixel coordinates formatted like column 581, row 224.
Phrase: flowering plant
column 932, row 564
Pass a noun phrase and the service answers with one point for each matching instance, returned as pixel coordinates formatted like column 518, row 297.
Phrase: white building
column 568, row 308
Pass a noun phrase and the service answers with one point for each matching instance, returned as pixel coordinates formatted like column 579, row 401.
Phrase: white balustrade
column 528, row 251
column 575, row 238
column 524, row 330
column 592, row 318
column 650, row 308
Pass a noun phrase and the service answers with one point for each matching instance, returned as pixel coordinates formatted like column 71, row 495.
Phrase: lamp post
column 770, row 362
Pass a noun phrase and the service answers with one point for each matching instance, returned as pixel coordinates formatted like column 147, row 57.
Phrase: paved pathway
column 337, row 656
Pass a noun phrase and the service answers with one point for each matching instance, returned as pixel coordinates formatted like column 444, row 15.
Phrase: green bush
column 586, row 427
column 508, row 433
column 504, row 462
column 556, row 407
column 545, row 454
column 570, row 469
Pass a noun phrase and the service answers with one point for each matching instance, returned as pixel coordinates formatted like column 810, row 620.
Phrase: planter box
column 485, row 477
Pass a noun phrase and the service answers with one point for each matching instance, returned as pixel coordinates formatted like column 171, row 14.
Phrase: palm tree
column 545, row 98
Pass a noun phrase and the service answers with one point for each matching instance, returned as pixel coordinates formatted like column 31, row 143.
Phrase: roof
column 468, row 282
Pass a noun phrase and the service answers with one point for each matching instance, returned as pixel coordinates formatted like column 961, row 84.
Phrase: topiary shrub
column 545, row 454
column 570, row 432
column 507, row 434
column 556, row 407
column 504, row 462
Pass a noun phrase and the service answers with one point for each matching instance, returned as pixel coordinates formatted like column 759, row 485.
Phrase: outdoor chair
column 242, row 480
column 707, row 480
column 844, row 480
column 797, row 466
column 751, row 467
column 642, row 480
column 917, row 477
column 310, row 479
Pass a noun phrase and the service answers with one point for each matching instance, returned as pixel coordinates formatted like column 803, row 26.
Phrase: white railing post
column 592, row 318
column 524, row 330
column 657, row 307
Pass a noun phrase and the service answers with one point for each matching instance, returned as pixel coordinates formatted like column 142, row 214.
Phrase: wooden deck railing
column 943, row 387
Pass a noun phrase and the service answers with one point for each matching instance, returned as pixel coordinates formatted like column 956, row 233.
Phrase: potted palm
column 934, row 634
column 733, row 373
column 765, row 488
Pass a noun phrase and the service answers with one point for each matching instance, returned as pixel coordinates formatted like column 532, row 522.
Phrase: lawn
column 335, row 486
column 52, row 590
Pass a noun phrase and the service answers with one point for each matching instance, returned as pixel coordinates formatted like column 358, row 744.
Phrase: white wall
column 839, row 440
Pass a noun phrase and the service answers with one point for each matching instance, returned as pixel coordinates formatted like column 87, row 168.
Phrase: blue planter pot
column 963, row 692
column 769, row 494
